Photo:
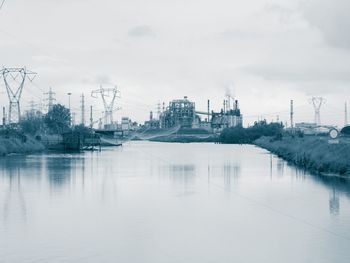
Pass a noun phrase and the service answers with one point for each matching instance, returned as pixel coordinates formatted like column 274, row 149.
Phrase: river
column 162, row 202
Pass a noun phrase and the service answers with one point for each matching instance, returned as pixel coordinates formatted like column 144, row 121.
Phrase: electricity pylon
column 14, row 79
column 50, row 99
column 109, row 106
column 317, row 102
column 82, row 108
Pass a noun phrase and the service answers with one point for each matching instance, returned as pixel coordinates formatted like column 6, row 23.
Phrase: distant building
column 182, row 113
column 179, row 113
column 312, row 128
column 228, row 118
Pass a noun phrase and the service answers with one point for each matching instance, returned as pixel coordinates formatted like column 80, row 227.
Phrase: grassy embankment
column 186, row 135
column 311, row 152
column 16, row 145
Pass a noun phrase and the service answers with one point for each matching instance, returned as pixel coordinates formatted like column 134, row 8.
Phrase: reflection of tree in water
column 59, row 170
column 334, row 205
column 280, row 166
column 14, row 200
column 182, row 173
column 229, row 171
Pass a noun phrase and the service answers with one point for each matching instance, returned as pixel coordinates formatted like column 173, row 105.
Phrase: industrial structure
column 179, row 113
column 14, row 79
column 113, row 93
column 182, row 113
column 317, row 102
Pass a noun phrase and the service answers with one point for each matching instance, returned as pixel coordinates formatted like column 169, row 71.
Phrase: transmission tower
column 82, row 108
column 32, row 107
column 292, row 114
column 317, row 102
column 346, row 115
column 14, row 79
column 50, row 100
column 113, row 93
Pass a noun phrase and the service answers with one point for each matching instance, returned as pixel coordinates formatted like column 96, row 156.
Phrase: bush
column 249, row 135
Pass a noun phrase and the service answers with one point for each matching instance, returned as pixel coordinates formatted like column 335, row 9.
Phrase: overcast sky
column 265, row 52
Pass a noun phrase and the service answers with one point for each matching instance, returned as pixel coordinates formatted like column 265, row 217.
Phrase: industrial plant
column 182, row 113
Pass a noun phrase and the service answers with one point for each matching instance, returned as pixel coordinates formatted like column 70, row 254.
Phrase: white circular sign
column 333, row 133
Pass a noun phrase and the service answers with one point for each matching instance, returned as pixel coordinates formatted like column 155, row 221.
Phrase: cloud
column 332, row 18
column 141, row 31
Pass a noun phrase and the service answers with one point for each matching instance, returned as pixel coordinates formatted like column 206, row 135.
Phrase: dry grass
column 15, row 145
column 311, row 153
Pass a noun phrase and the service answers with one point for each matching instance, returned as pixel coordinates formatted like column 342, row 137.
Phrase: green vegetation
column 13, row 141
column 311, row 153
column 32, row 124
column 57, row 120
column 240, row 135
column 46, row 129
column 346, row 131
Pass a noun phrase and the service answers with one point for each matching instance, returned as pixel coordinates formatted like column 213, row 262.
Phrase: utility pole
column 317, row 102
column 208, row 110
column 82, row 107
column 91, row 120
column 14, row 79
column 346, row 115
column 292, row 114
column 3, row 117
column 70, row 114
column 50, row 99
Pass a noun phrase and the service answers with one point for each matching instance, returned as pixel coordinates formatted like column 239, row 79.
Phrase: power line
column 3, row 1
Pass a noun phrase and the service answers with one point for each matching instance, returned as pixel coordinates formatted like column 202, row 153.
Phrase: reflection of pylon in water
column 15, row 191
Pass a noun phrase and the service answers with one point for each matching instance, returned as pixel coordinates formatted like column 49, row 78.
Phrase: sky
column 263, row 52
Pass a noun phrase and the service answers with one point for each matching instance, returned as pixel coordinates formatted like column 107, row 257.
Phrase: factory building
column 227, row 117
column 182, row 113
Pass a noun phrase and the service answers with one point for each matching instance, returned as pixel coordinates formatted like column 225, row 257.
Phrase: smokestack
column 3, row 117
column 151, row 115
column 208, row 110
column 236, row 104
column 346, row 115
column 292, row 114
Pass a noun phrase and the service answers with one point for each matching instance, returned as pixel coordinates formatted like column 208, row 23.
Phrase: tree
column 58, row 119
column 249, row 135
column 32, row 123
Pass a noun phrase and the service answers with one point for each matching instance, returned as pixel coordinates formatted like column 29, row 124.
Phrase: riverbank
column 312, row 153
column 20, row 146
column 185, row 138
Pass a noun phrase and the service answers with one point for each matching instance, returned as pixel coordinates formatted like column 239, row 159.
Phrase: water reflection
column 182, row 173
column 59, row 171
column 334, row 204
column 230, row 173
column 154, row 194
column 14, row 201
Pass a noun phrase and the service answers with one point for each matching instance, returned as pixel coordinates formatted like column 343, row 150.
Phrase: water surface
column 159, row 202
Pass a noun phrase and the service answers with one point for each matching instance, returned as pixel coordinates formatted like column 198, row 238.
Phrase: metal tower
column 50, row 99
column 109, row 106
column 317, row 102
column 14, row 79
column 292, row 114
column 82, row 108
column 346, row 115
